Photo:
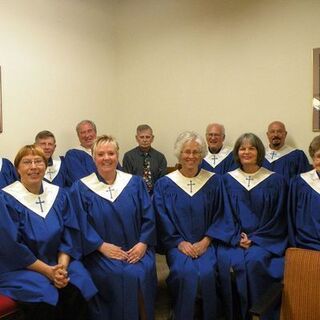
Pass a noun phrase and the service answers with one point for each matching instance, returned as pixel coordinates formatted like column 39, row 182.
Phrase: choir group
column 79, row 234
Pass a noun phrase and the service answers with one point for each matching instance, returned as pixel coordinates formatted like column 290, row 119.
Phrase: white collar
column 190, row 185
column 38, row 203
column 53, row 170
column 109, row 192
column 250, row 180
column 86, row 150
column 274, row 155
column 1, row 162
column 216, row 158
column 312, row 179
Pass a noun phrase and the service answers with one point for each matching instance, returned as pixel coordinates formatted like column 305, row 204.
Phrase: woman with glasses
column 304, row 204
column 40, row 241
column 193, row 214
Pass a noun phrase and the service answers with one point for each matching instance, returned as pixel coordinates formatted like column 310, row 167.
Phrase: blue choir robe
column 8, row 173
column 259, row 204
column 304, row 211
column 79, row 163
column 220, row 162
column 287, row 161
column 39, row 227
column 56, row 172
column 120, row 214
column 189, row 209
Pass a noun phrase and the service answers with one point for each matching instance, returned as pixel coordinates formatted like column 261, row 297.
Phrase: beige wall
column 175, row 64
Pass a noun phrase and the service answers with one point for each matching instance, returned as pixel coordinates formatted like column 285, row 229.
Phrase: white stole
column 52, row 171
column 312, row 179
column 274, row 155
column 214, row 159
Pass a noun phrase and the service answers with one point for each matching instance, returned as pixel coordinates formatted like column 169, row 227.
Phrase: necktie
column 147, row 171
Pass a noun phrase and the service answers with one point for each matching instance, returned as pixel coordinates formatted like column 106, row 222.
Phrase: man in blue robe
column 282, row 158
column 219, row 158
column 56, row 172
column 8, row 173
column 79, row 160
column 35, row 229
column 258, row 201
column 119, row 215
column 189, row 209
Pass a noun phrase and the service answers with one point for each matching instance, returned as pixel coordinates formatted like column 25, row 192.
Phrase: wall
column 57, row 60
column 183, row 64
column 175, row 64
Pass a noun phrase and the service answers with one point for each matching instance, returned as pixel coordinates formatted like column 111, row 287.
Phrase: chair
column 8, row 309
column 300, row 288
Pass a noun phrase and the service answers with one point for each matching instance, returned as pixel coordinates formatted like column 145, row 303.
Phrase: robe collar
column 190, row 185
column 250, row 180
column 86, row 150
column 106, row 191
column 312, row 179
column 214, row 159
column 1, row 162
column 274, row 155
column 53, row 170
column 38, row 203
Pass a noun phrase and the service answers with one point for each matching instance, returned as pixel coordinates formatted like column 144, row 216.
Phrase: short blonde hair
column 102, row 140
column 27, row 150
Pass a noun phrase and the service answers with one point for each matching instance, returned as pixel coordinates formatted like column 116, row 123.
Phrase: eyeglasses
column 36, row 162
column 195, row 153
column 213, row 135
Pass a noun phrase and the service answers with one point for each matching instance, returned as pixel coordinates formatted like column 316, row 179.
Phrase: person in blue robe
column 56, row 172
column 79, row 160
column 258, row 201
column 193, row 215
column 118, row 226
column 219, row 158
column 8, row 173
column 40, row 239
column 304, row 204
column 282, row 158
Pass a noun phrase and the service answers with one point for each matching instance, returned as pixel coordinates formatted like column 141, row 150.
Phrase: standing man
column 219, row 158
column 79, row 160
column 282, row 158
column 56, row 172
column 143, row 160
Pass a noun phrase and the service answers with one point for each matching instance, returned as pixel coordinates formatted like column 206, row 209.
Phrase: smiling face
column 106, row 159
column 190, row 156
column 31, row 169
column 87, row 135
column 276, row 135
column 48, row 146
column 316, row 160
column 215, row 138
column 248, row 154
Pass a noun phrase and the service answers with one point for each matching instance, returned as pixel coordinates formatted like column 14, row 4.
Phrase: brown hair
column 29, row 149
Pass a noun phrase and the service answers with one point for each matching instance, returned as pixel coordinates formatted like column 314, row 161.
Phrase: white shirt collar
column 38, row 203
column 109, row 192
column 250, row 180
column 312, row 179
column 190, row 185
column 215, row 159
column 274, row 155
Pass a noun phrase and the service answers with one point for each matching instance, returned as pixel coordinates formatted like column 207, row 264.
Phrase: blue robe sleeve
column 90, row 239
column 148, row 232
column 14, row 255
column 273, row 229
column 170, row 236
column 8, row 173
column 223, row 227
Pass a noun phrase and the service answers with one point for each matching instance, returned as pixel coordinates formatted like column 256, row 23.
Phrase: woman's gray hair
column 255, row 141
column 188, row 136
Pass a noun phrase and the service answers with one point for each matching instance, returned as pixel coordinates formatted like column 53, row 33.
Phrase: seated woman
column 258, row 198
column 8, row 173
column 193, row 214
column 304, row 204
column 41, row 235
column 118, row 225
